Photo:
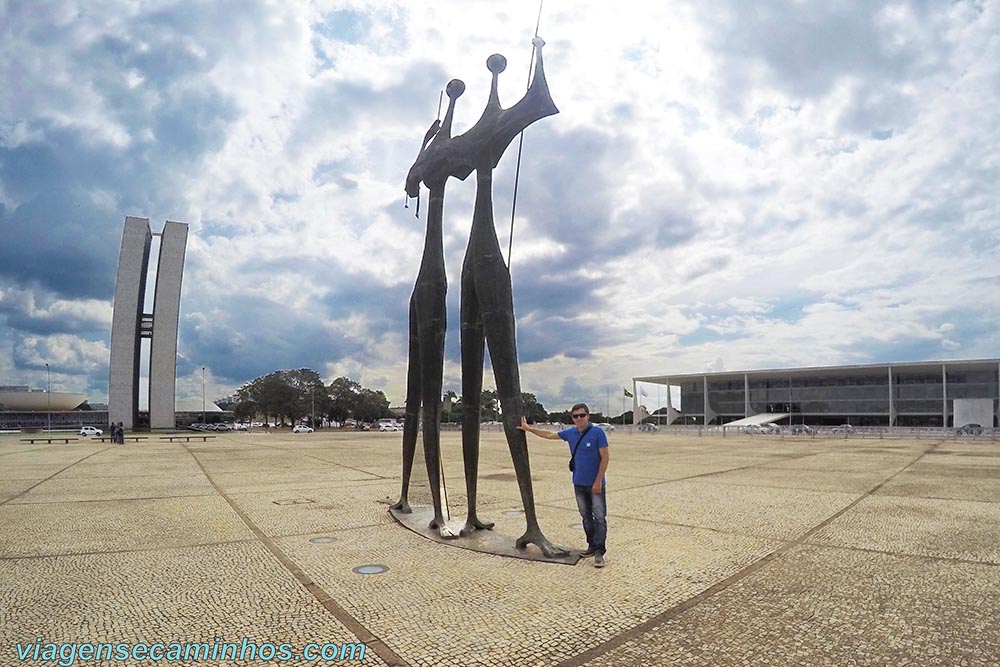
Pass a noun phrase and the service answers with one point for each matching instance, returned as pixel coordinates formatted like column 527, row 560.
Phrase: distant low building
column 920, row 393
column 23, row 407
column 195, row 411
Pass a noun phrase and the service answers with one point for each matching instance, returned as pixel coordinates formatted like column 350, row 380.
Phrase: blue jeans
column 594, row 511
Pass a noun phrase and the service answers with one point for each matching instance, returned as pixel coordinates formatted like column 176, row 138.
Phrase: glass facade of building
column 910, row 394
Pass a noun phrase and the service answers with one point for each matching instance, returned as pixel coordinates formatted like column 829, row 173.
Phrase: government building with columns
column 919, row 393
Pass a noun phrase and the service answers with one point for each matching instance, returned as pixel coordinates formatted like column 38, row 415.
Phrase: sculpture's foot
column 473, row 523
column 441, row 526
column 535, row 537
column 403, row 506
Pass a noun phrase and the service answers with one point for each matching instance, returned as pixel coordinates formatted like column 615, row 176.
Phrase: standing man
column 588, row 446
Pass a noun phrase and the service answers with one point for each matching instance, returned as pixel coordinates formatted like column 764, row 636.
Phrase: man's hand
column 524, row 425
column 597, row 487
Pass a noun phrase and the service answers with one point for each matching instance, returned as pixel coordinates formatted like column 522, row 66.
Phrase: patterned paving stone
column 313, row 510
column 22, row 471
column 85, row 561
column 945, row 484
column 763, row 511
column 814, row 480
column 946, row 528
column 70, row 489
column 125, row 467
column 277, row 480
column 32, row 529
column 187, row 595
column 10, row 488
column 481, row 609
column 849, row 462
column 830, row 608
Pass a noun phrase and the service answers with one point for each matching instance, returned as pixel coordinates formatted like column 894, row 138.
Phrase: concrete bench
column 49, row 440
column 186, row 438
column 134, row 438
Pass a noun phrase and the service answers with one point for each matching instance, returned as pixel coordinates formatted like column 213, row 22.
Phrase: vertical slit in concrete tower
column 133, row 321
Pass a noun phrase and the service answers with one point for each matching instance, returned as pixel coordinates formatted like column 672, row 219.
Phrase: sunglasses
column 580, row 415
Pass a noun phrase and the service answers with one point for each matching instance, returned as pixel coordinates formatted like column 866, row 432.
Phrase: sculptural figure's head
column 430, row 164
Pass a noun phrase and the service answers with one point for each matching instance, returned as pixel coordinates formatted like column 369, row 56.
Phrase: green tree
column 244, row 410
column 344, row 395
column 534, row 411
column 372, row 404
column 286, row 394
column 489, row 406
column 311, row 393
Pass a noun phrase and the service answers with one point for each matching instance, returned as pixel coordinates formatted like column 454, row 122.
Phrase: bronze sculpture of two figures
column 487, row 308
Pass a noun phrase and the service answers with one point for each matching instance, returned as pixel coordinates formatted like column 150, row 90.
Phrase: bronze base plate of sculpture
column 483, row 541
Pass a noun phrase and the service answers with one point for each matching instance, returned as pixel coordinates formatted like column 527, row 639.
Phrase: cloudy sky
column 728, row 185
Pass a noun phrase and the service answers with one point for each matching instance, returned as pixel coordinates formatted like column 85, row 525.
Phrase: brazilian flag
column 628, row 394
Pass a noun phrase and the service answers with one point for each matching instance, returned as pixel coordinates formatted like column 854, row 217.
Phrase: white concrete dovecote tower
column 130, row 323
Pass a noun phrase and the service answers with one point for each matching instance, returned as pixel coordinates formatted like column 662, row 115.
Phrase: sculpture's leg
column 431, row 308
column 493, row 287
column 412, row 409
column 500, row 336
column 472, row 342
column 432, row 330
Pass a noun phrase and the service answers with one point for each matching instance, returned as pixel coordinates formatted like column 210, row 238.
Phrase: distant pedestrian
column 121, row 433
column 588, row 447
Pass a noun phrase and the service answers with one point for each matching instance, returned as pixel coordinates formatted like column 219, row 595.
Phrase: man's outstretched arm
column 541, row 433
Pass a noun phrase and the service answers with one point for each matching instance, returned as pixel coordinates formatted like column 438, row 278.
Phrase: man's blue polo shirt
column 588, row 456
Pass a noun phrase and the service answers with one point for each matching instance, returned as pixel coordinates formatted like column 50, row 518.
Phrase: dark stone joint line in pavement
column 352, row 624
column 15, row 497
column 605, row 647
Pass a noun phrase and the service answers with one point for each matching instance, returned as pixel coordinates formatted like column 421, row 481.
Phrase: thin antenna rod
column 440, row 98
column 520, row 144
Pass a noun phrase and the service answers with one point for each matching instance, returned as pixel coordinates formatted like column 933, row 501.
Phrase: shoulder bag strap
column 582, row 436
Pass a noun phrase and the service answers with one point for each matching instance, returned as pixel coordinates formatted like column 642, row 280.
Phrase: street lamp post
column 202, row 394
column 48, row 395
column 312, row 419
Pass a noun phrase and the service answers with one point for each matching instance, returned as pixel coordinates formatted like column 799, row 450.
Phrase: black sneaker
column 599, row 560
column 588, row 553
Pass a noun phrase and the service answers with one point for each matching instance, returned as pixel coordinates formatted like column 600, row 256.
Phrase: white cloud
column 768, row 184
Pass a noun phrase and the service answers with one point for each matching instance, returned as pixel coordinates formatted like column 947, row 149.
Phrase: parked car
column 388, row 426
column 605, row 426
column 843, row 428
column 648, row 427
column 801, row 429
column 772, row 429
column 302, row 428
column 970, row 429
column 90, row 430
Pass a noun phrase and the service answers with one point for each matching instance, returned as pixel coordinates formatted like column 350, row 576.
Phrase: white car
column 90, row 430
column 302, row 428
column 386, row 426
column 604, row 426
